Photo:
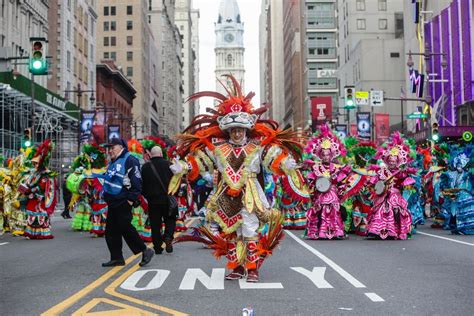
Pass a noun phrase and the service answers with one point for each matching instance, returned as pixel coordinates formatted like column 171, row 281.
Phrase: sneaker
column 158, row 251
column 237, row 273
column 147, row 254
column 252, row 276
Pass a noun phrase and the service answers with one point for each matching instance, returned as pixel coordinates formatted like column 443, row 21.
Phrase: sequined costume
column 238, row 203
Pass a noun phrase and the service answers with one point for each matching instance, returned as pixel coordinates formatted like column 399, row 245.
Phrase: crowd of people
column 248, row 180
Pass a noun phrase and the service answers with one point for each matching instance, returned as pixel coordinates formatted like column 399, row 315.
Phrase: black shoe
column 169, row 245
column 114, row 263
column 146, row 257
column 158, row 251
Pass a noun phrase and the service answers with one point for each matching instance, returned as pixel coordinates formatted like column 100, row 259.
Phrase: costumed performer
column 235, row 144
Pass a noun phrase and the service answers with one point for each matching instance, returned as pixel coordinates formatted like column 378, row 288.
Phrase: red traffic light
column 37, row 46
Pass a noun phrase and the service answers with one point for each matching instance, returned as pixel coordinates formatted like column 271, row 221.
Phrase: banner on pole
column 87, row 121
column 363, row 125
column 353, row 130
column 321, row 110
column 341, row 131
column 113, row 131
column 382, row 127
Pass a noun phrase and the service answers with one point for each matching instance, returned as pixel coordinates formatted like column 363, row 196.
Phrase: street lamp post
column 79, row 92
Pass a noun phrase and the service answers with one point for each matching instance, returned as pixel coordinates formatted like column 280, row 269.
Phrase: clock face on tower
column 229, row 38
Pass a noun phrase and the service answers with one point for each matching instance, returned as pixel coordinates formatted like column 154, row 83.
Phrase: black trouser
column 119, row 224
column 158, row 214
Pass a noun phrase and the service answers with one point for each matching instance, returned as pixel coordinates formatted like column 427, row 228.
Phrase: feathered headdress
column 234, row 110
column 325, row 139
column 461, row 155
column 397, row 147
column 43, row 154
column 92, row 156
column 135, row 148
column 151, row 141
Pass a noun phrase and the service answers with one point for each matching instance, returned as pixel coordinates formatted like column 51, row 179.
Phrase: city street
column 431, row 274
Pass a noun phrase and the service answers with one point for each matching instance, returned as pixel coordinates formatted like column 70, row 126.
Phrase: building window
column 112, row 11
column 361, row 24
column 129, row 25
column 129, row 56
column 129, row 10
column 106, row 25
column 106, row 55
column 394, row 55
column 229, row 60
column 68, row 31
column 129, row 40
column 129, row 71
column 382, row 5
column 113, row 41
column 382, row 24
column 106, row 11
column 68, row 60
column 360, row 5
column 106, row 41
column 113, row 26
column 113, row 56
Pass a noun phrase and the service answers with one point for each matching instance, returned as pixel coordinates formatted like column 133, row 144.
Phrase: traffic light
column 27, row 138
column 38, row 64
column 435, row 132
column 349, row 100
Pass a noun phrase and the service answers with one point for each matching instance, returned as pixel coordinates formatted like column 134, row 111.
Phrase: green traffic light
column 435, row 137
column 27, row 143
column 350, row 103
column 37, row 64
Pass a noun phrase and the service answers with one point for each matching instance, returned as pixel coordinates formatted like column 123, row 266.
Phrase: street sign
column 417, row 115
column 376, row 98
column 362, row 98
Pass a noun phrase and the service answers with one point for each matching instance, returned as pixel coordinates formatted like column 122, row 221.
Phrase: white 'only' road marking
column 446, row 238
column 346, row 275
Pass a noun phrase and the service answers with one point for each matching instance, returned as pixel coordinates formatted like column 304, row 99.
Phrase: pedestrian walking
column 122, row 188
column 67, row 195
column 156, row 178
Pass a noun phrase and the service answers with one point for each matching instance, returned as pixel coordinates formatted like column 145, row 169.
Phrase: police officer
column 122, row 187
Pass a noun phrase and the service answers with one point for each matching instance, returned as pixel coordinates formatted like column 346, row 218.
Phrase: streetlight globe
column 444, row 63
column 410, row 62
column 428, row 99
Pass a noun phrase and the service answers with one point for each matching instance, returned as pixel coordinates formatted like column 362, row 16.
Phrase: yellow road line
column 59, row 308
column 111, row 289
column 62, row 306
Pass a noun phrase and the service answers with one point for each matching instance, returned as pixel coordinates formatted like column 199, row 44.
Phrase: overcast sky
column 250, row 12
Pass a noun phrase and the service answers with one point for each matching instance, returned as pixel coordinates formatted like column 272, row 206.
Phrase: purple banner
column 456, row 64
column 436, row 48
column 113, row 131
column 466, row 49
column 445, row 29
column 87, row 121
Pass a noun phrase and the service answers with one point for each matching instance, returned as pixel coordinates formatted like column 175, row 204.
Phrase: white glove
column 290, row 163
column 207, row 177
column 176, row 167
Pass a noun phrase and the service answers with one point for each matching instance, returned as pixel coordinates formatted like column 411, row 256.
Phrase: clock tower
column 229, row 49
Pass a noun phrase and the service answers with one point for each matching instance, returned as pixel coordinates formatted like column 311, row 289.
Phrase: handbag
column 172, row 202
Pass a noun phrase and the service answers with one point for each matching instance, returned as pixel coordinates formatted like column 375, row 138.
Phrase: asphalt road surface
column 431, row 274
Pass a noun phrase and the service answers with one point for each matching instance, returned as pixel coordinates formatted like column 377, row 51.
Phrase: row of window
column 112, row 10
column 360, row 5
column 112, row 25
column 113, row 55
column 382, row 24
column 112, row 40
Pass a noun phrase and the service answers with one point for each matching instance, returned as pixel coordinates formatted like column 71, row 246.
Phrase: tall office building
column 124, row 35
column 72, row 38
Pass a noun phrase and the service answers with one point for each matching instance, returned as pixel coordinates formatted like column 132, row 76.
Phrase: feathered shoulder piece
column 364, row 152
column 325, row 139
column 398, row 147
